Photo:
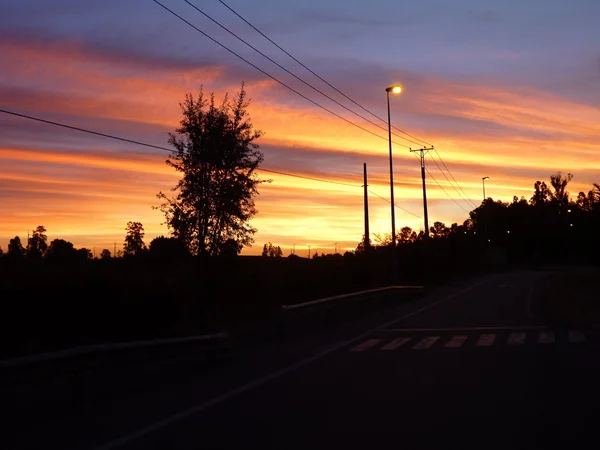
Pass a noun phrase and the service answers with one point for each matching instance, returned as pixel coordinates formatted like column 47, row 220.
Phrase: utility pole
column 423, row 151
column 94, row 252
column 293, row 249
column 309, row 252
column 365, row 185
column 114, row 249
column 335, row 248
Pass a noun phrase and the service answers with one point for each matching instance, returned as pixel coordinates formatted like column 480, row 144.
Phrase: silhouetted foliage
column 15, row 248
column 84, row 254
column 61, row 251
column 167, row 249
column 216, row 154
column 271, row 251
column 37, row 245
column 134, row 239
column 105, row 254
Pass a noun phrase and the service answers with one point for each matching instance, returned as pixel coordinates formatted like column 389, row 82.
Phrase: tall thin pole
column 422, row 152
column 392, row 184
column 483, row 179
column 365, row 185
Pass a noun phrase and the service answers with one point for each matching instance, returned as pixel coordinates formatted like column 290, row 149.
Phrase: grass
column 571, row 298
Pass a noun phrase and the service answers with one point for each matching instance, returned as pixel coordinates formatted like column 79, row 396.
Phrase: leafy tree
column 105, row 254
column 134, row 239
column 406, row 235
column 439, row 230
column 1, row 252
column 61, row 251
column 168, row 249
column 15, row 248
column 84, row 254
column 360, row 249
column 271, row 251
column 37, row 245
column 216, row 154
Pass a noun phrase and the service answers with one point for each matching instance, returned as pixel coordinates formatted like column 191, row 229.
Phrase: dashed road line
column 456, row 341
column 486, row 340
column 547, row 337
column 426, row 343
column 366, row 345
column 516, row 339
column 576, row 336
column 396, row 343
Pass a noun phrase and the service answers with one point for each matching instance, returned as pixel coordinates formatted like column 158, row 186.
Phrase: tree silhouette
column 134, row 239
column 37, row 245
column 217, row 157
column 168, row 249
column 271, row 251
column 61, row 251
column 15, row 248
column 84, row 254
column 105, row 254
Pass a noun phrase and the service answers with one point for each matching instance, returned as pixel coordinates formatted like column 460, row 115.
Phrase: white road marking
column 395, row 343
column 516, row 339
column 366, row 345
column 456, row 341
column 426, row 343
column 181, row 415
column 576, row 336
column 532, row 327
column 547, row 337
column 486, row 340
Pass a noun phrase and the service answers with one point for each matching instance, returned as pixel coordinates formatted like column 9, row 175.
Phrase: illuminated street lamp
column 395, row 90
column 483, row 181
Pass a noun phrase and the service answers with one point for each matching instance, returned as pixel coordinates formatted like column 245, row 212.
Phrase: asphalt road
column 471, row 365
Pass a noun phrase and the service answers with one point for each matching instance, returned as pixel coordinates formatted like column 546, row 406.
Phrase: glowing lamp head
column 394, row 89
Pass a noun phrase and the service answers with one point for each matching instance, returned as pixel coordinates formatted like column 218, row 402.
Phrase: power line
column 448, row 179
column 445, row 192
column 293, row 74
column 442, row 161
column 318, row 76
column 131, row 141
column 309, row 178
column 84, row 130
column 271, row 76
column 399, row 207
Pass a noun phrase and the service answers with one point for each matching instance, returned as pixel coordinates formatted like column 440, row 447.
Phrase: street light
column 396, row 90
column 483, row 181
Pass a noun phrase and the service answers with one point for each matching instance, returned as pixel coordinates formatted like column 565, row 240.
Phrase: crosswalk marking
column 547, row 337
column 576, row 336
column 395, row 343
column 486, row 340
column 426, row 343
column 366, row 345
column 456, row 341
column 516, row 339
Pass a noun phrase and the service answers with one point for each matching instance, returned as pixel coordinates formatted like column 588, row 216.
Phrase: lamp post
column 485, row 230
column 396, row 90
column 483, row 181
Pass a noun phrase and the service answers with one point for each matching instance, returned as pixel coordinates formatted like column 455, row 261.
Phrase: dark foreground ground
column 471, row 365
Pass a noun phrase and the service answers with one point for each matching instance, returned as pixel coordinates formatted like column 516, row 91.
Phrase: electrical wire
column 318, row 76
column 131, row 141
column 271, row 76
column 442, row 188
column 294, row 75
column 399, row 207
column 444, row 164
column 449, row 182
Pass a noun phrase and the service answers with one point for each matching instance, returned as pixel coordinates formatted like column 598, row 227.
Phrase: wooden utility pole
column 423, row 151
column 365, row 186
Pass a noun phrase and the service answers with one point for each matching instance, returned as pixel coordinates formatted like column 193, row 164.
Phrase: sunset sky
column 505, row 89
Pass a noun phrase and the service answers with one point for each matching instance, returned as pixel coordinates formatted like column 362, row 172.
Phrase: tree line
column 547, row 226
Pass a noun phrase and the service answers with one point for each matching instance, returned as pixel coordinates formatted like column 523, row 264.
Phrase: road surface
column 470, row 366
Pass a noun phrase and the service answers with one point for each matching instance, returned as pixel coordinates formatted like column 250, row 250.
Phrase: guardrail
column 87, row 350
column 349, row 295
